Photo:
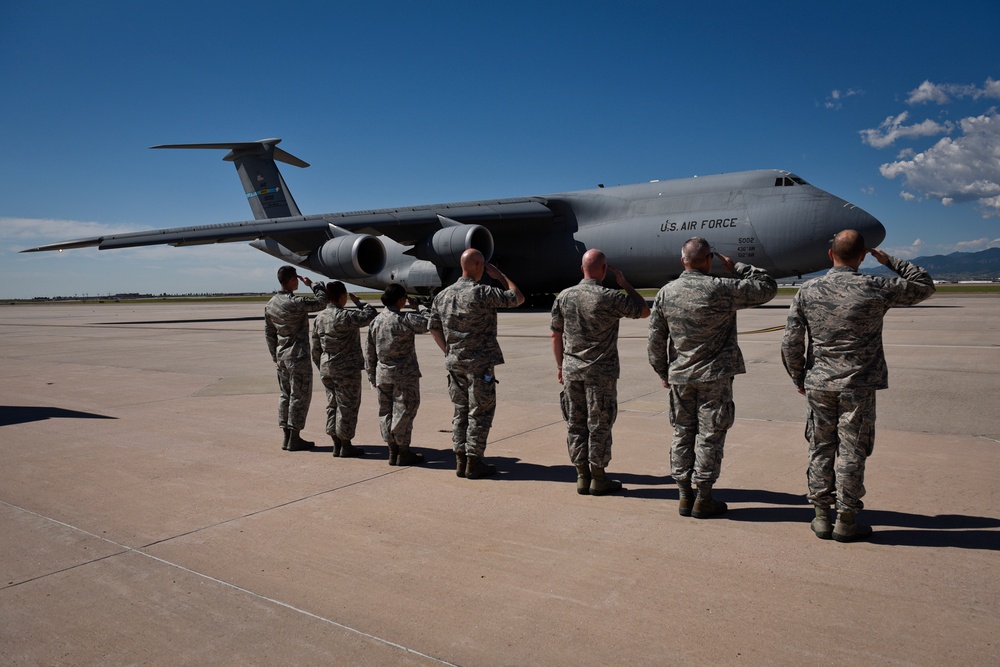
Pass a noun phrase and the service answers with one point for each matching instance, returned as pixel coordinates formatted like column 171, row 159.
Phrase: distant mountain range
column 983, row 265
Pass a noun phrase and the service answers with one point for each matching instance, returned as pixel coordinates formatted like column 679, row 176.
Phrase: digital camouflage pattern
column 393, row 370
column 465, row 312
column 587, row 316
column 392, row 355
column 841, row 313
column 701, row 413
column 286, row 330
column 336, row 339
column 840, row 430
column 474, row 396
column 590, row 410
column 692, row 326
column 693, row 345
column 832, row 348
column 336, row 351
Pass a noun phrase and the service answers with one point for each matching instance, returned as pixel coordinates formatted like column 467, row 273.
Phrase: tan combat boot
column 408, row 457
column 583, row 478
column 296, row 443
column 347, row 450
column 476, row 469
column 821, row 524
column 600, row 484
column 686, row 495
column 393, row 452
column 705, row 506
column 849, row 530
column 461, row 464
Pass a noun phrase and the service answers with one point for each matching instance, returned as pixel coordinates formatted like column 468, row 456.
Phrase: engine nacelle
column 350, row 256
column 445, row 246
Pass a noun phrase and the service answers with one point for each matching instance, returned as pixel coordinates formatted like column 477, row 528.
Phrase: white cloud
column 944, row 93
column 894, row 127
column 835, row 99
column 963, row 169
column 908, row 196
column 977, row 245
column 906, row 252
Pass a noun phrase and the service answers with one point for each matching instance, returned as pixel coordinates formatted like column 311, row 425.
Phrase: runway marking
column 139, row 550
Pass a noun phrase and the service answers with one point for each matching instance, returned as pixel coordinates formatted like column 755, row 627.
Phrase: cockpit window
column 785, row 181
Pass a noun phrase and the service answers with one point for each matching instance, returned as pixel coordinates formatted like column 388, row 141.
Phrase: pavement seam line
column 127, row 549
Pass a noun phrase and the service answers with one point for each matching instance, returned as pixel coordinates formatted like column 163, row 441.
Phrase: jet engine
column 349, row 257
column 445, row 246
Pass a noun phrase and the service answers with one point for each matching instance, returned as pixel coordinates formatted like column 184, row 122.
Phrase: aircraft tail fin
column 264, row 186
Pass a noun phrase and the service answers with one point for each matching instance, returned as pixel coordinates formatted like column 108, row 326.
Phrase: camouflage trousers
column 295, row 381
column 590, row 408
column 397, row 407
column 702, row 413
column 840, row 429
column 343, row 402
column 475, row 401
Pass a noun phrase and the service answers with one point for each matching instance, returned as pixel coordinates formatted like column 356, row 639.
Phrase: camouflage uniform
column 465, row 313
column 587, row 316
column 393, row 370
column 286, row 329
column 841, row 369
column 692, row 345
column 336, row 351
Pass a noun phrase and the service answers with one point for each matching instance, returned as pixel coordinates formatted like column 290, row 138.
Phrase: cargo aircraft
column 769, row 218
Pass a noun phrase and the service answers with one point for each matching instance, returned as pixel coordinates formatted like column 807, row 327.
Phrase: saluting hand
column 882, row 257
column 619, row 276
column 726, row 262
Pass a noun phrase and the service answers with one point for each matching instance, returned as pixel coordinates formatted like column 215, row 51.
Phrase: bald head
column 472, row 263
column 595, row 264
column 848, row 248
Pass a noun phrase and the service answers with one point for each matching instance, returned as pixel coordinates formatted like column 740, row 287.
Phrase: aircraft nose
column 869, row 226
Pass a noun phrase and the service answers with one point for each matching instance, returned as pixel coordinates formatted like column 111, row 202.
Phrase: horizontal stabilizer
column 244, row 147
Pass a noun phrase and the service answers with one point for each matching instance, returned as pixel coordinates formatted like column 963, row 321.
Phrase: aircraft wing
column 303, row 234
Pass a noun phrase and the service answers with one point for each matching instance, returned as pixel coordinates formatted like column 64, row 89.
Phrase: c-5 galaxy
column 769, row 218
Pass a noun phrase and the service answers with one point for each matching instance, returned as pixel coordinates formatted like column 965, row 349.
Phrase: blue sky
column 892, row 106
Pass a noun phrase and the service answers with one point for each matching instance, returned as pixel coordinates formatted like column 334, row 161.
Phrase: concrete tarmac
column 149, row 516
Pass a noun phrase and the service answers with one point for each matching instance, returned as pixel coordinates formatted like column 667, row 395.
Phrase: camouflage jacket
column 587, row 316
column 465, row 313
column 692, row 326
column 336, row 339
column 392, row 356
column 286, row 323
column 841, row 313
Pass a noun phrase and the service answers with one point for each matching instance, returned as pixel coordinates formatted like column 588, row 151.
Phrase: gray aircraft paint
column 769, row 218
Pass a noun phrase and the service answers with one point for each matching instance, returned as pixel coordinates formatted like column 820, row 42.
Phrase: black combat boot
column 393, row 452
column 284, row 443
column 476, row 469
column 461, row 464
column 600, row 484
column 705, row 506
column 337, row 445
